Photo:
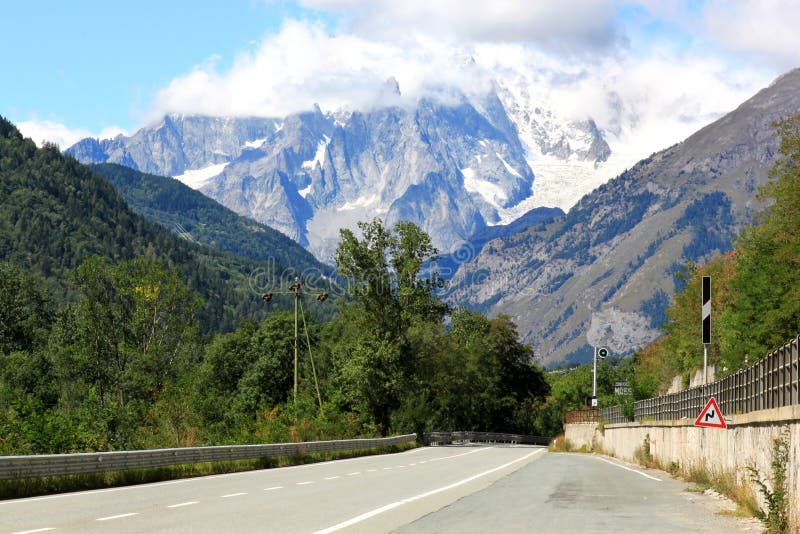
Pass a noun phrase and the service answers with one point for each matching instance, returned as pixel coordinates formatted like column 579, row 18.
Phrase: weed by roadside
column 775, row 490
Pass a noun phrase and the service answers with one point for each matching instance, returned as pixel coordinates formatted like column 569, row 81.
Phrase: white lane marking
column 371, row 470
column 273, row 488
column 412, row 465
column 120, row 516
column 232, row 495
column 629, row 469
column 32, row 531
column 182, row 504
column 354, row 473
column 461, row 454
column 388, row 468
column 332, row 478
column 393, row 505
column 305, row 483
column 194, row 479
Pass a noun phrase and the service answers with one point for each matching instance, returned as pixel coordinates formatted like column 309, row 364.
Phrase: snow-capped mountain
column 603, row 273
column 451, row 163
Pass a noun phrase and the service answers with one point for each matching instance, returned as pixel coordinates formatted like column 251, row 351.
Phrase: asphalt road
column 374, row 494
column 584, row 493
column 437, row 489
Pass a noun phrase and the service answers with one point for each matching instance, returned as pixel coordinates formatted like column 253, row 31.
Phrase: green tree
column 134, row 329
column 25, row 312
column 766, row 308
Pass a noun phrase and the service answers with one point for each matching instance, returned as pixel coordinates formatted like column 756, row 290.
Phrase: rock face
column 603, row 273
column 452, row 165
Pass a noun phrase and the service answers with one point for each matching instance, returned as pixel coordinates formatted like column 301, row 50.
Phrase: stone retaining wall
column 748, row 441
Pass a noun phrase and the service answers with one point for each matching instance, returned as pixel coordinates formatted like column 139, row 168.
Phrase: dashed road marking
column 273, row 488
column 386, row 508
column 120, row 516
column 232, row 495
column 354, row 473
column 332, row 478
column 306, row 483
column 45, row 529
column 182, row 504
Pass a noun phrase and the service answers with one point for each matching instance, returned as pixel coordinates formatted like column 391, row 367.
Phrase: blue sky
column 94, row 68
column 93, row 64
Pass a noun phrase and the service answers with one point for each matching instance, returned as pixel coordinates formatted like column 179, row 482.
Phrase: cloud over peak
column 567, row 25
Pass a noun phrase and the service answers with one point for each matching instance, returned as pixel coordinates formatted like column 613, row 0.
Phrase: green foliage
column 393, row 360
column 55, row 213
column 25, row 312
column 152, row 341
column 777, row 493
column 755, row 289
column 194, row 216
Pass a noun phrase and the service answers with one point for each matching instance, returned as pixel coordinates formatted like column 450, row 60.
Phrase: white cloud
column 765, row 30
column 303, row 65
column 563, row 25
column 41, row 131
column 645, row 98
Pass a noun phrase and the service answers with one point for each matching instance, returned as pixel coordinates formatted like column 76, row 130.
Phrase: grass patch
column 560, row 444
column 726, row 483
column 31, row 487
column 643, row 455
column 739, row 512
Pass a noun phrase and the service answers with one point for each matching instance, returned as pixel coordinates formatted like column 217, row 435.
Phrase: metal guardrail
column 68, row 464
column 772, row 382
column 460, row 437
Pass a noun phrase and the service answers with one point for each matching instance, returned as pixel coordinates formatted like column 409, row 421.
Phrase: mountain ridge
column 196, row 217
column 589, row 277
column 310, row 173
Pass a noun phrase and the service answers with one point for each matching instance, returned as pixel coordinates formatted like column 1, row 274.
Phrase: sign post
column 706, row 325
column 601, row 353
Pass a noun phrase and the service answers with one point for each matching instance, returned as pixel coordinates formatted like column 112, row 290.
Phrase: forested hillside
column 196, row 217
column 755, row 288
column 55, row 213
column 116, row 334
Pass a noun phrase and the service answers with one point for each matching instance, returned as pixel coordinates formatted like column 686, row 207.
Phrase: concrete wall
column 748, row 441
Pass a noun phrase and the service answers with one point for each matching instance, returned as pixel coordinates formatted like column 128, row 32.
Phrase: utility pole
column 322, row 297
column 296, row 289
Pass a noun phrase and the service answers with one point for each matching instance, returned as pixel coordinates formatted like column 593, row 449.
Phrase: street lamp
column 599, row 352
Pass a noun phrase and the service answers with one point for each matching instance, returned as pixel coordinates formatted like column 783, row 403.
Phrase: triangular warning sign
column 711, row 416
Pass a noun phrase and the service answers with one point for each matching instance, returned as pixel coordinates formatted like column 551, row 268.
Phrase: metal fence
column 453, row 438
column 68, row 464
column 772, row 382
column 588, row 415
column 613, row 414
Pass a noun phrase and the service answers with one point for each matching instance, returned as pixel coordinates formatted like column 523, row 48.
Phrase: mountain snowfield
column 603, row 273
column 452, row 163
column 459, row 165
